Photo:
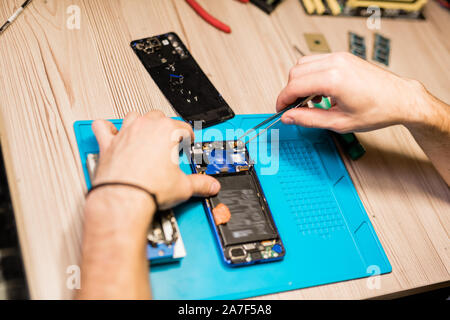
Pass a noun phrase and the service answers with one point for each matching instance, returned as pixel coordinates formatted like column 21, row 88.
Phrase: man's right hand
column 363, row 96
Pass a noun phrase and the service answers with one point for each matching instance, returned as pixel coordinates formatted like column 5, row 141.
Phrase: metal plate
column 317, row 42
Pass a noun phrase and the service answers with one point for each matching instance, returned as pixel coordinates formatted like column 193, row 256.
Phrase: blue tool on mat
column 323, row 225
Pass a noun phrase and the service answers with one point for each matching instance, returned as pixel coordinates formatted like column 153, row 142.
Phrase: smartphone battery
column 250, row 220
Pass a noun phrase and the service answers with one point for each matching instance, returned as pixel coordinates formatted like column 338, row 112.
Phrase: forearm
column 431, row 129
column 114, row 264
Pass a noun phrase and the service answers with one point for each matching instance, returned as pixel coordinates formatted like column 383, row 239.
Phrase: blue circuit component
column 160, row 254
column 277, row 248
column 225, row 160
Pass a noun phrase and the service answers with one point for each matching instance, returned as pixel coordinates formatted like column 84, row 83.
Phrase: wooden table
column 51, row 76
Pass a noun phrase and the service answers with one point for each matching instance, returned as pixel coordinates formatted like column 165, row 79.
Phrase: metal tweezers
column 300, row 102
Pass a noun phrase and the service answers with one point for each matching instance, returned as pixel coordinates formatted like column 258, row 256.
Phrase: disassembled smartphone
column 249, row 234
column 181, row 79
column 164, row 239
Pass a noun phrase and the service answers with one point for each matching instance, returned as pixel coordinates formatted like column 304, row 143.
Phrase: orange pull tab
column 221, row 214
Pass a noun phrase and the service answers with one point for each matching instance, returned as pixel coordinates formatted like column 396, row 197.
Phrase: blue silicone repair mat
column 326, row 232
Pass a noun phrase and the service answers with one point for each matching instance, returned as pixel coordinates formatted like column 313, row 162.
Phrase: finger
column 304, row 86
column 316, row 118
column 155, row 114
column 104, row 131
column 309, row 67
column 181, row 141
column 314, row 57
column 129, row 119
column 186, row 131
column 204, row 185
column 332, row 101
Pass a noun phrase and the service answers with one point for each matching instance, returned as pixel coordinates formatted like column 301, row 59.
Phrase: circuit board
column 407, row 9
column 381, row 49
column 357, row 45
column 250, row 236
column 220, row 157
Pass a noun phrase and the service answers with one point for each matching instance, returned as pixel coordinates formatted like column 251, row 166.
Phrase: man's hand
column 363, row 96
column 144, row 153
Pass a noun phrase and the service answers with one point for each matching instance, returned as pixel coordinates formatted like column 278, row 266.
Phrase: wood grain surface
column 51, row 76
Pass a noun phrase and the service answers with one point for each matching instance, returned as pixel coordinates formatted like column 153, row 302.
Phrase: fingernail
column 288, row 120
column 215, row 187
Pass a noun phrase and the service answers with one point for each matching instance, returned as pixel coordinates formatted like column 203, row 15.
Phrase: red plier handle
column 209, row 18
